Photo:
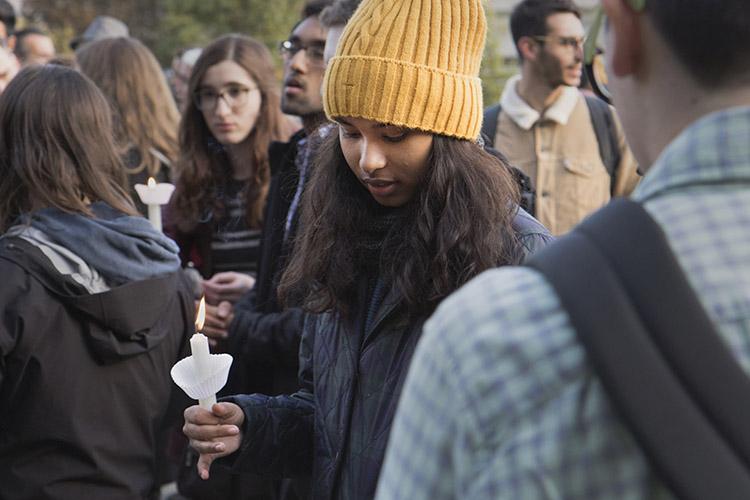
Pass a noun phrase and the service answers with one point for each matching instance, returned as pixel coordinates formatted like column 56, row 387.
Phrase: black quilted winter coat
column 337, row 425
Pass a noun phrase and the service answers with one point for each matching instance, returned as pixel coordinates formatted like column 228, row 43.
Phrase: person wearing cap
column 403, row 207
column 101, row 27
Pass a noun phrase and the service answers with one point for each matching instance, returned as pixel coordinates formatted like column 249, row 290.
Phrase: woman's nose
column 371, row 158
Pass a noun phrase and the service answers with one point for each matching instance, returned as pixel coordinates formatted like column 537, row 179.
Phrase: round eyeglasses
column 234, row 96
column 314, row 52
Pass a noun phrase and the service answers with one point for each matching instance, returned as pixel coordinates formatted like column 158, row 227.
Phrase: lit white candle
column 201, row 355
column 202, row 374
column 154, row 195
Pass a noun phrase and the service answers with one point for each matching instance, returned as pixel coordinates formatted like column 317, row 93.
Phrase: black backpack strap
column 606, row 135
column 489, row 124
column 674, row 382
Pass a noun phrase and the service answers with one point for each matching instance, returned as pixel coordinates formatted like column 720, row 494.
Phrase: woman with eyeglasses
column 223, row 174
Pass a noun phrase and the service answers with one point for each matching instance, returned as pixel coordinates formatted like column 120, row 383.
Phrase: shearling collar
column 525, row 116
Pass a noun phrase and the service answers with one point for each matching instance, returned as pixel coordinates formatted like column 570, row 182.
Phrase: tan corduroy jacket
column 560, row 153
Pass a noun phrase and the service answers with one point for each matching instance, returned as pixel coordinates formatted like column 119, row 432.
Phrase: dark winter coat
column 337, row 425
column 84, row 379
column 263, row 335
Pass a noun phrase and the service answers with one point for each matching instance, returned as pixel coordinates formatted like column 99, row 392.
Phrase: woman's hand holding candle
column 214, row 433
column 213, row 429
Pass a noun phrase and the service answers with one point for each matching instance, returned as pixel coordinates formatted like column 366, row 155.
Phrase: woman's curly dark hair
column 456, row 226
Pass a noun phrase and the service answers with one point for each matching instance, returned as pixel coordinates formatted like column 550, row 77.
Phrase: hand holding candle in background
column 218, row 319
column 229, row 286
column 154, row 196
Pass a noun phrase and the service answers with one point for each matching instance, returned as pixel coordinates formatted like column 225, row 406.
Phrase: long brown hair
column 457, row 225
column 204, row 168
column 144, row 111
column 56, row 146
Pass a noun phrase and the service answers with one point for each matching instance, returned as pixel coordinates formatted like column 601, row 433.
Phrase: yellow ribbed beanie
column 411, row 63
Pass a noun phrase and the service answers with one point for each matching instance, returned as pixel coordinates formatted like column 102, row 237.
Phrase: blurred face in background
column 560, row 58
column 229, row 100
column 6, row 41
column 38, row 49
column 8, row 68
column 182, row 67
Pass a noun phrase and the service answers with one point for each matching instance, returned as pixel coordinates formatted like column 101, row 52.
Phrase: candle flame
column 151, row 183
column 201, row 318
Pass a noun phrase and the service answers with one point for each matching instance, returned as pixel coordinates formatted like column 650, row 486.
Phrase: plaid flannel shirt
column 500, row 401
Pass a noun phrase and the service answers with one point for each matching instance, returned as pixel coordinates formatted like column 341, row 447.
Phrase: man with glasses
column 572, row 147
column 501, row 400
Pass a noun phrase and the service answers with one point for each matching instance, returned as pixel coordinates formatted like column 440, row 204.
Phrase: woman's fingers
column 204, row 464
column 214, row 433
column 209, row 432
column 227, row 286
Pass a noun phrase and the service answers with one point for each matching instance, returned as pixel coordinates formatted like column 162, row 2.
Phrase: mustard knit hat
column 411, row 63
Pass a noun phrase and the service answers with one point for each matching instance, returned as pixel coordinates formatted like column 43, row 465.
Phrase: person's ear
column 528, row 48
column 627, row 47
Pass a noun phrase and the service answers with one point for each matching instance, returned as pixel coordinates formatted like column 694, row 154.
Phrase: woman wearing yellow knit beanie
column 403, row 207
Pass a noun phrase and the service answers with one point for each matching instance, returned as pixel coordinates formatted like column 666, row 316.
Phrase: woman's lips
column 380, row 187
column 225, row 127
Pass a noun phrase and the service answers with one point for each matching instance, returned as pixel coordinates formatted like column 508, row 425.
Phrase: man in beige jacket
column 545, row 126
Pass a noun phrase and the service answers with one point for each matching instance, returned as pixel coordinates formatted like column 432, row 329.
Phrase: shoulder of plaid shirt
column 500, row 401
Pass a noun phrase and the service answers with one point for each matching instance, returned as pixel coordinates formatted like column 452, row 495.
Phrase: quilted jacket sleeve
column 260, row 337
column 532, row 235
column 278, row 432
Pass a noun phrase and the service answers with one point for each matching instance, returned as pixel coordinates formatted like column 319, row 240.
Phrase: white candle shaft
column 154, row 215
column 201, row 355
column 207, row 403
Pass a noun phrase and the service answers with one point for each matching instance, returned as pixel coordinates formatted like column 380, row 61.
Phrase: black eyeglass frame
column 289, row 48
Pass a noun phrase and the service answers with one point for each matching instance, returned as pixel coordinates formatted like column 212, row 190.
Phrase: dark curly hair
column 456, row 226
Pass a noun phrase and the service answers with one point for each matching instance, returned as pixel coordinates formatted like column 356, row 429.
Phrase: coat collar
column 526, row 117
